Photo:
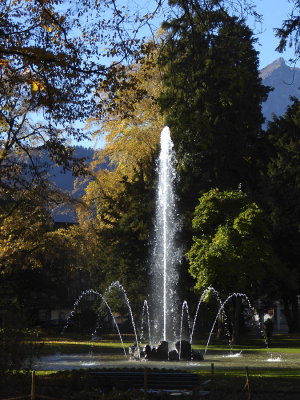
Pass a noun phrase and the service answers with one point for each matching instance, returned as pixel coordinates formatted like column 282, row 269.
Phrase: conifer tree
column 279, row 194
column 211, row 98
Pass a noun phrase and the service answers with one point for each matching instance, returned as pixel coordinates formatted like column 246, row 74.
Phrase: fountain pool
column 221, row 360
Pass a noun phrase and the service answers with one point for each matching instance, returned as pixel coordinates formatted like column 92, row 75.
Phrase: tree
column 211, row 97
column 232, row 249
column 53, row 54
column 279, row 196
column 131, row 125
column 59, row 48
column 123, row 239
column 118, row 203
column 132, row 121
column 289, row 33
column 42, row 268
column 241, row 8
column 24, row 225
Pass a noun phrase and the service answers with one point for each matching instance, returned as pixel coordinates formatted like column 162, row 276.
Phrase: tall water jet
column 165, row 256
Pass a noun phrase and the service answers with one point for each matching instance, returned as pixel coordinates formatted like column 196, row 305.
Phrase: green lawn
column 283, row 344
column 276, row 381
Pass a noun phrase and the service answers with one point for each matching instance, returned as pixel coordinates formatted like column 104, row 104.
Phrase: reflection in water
column 233, row 355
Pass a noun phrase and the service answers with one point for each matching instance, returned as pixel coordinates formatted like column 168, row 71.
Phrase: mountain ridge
column 285, row 82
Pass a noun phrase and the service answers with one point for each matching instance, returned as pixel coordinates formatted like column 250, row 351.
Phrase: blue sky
column 274, row 12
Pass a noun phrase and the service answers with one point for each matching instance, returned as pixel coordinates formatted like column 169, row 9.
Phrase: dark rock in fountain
column 197, row 356
column 159, row 353
column 173, row 355
column 147, row 352
column 186, row 352
column 153, row 354
column 162, row 353
column 184, row 349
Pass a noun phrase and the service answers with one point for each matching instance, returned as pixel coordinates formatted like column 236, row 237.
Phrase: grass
column 268, row 381
column 51, row 346
column 280, row 344
column 110, row 344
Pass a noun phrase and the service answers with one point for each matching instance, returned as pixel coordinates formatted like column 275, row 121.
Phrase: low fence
column 33, row 395
column 146, row 381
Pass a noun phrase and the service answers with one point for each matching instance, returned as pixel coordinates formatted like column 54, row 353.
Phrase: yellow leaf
column 36, row 85
column 47, row 28
column 4, row 63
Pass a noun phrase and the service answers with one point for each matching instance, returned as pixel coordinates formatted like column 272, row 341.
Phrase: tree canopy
column 289, row 32
column 53, row 54
column 278, row 193
column 232, row 249
column 118, row 201
column 211, row 97
column 23, row 237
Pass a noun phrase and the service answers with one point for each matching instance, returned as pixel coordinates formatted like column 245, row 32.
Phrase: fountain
column 165, row 310
column 165, row 327
column 164, row 301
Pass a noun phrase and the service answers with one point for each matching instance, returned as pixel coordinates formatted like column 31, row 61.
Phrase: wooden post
column 145, row 382
column 32, row 395
column 212, row 369
column 247, row 384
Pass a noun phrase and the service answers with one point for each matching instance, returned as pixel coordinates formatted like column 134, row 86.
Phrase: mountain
column 65, row 181
column 285, row 82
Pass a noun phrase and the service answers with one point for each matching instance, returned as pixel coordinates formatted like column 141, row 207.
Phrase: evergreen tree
column 211, row 98
column 289, row 32
column 280, row 197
